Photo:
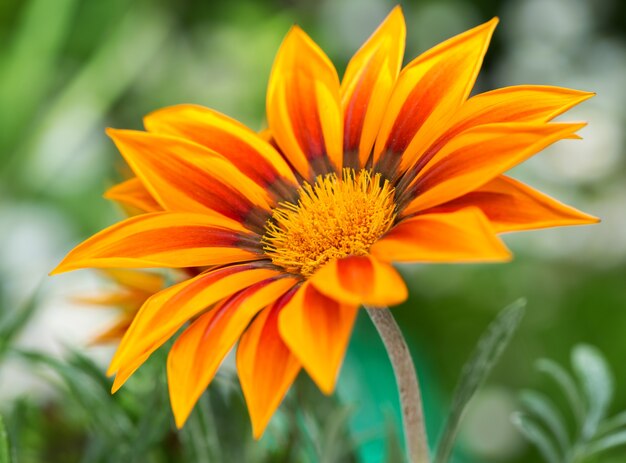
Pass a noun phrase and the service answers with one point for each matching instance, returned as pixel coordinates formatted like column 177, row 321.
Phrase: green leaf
column 28, row 63
column 596, row 379
column 612, row 424
column 104, row 413
column 14, row 321
column 606, row 443
column 130, row 50
column 566, row 383
column 394, row 452
column 488, row 351
column 535, row 434
column 5, row 453
column 544, row 409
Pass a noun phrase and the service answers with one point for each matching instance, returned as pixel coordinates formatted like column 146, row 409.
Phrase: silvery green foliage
column 5, row 454
column 588, row 392
column 490, row 347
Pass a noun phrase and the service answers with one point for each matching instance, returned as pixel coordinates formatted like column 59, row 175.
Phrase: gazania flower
column 295, row 234
column 131, row 289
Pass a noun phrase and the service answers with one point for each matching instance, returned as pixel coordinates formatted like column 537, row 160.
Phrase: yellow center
column 333, row 218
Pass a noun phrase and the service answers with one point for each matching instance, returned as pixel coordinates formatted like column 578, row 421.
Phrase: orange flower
column 297, row 233
column 133, row 288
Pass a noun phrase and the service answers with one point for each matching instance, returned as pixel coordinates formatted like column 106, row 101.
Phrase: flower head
column 297, row 227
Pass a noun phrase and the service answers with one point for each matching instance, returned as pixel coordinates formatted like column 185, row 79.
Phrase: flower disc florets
column 333, row 218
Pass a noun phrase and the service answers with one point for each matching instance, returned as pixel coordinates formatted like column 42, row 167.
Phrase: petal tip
column 326, row 385
column 112, row 132
column 259, row 425
column 63, row 267
column 56, row 271
column 117, row 384
column 180, row 421
column 397, row 13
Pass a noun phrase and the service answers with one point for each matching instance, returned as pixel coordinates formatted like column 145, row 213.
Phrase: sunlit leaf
column 489, row 349
column 535, row 434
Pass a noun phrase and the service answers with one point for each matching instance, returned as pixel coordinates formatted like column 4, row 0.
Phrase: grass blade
column 488, row 351
column 12, row 322
column 5, row 453
column 29, row 61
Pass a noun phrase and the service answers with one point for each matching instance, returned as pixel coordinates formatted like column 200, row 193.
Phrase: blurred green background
column 70, row 68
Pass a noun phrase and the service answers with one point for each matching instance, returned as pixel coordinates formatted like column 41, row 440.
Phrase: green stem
column 407, row 382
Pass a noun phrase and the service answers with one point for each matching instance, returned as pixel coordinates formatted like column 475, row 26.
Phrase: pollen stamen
column 333, row 218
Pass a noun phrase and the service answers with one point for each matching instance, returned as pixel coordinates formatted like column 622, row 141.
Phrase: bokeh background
column 70, row 68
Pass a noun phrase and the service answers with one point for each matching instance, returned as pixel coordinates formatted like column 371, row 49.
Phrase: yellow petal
column 266, row 367
column 317, row 330
column 361, row 280
column 367, row 84
column 200, row 349
column 461, row 236
column 303, row 106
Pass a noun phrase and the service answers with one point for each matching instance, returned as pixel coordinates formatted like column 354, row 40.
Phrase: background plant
column 589, row 394
column 69, row 68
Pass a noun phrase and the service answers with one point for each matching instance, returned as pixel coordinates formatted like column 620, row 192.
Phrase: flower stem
column 408, row 385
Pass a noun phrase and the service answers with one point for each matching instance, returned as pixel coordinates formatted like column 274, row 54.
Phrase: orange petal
column 133, row 193
column 303, row 106
column 266, row 367
column 147, row 282
column 461, row 236
column 114, row 333
column 428, row 92
column 249, row 152
column 367, row 85
column 162, row 239
column 478, row 155
column 522, row 103
column 361, row 280
column 121, row 299
column 164, row 313
column 317, row 330
column 512, row 206
column 186, row 177
column 200, row 349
